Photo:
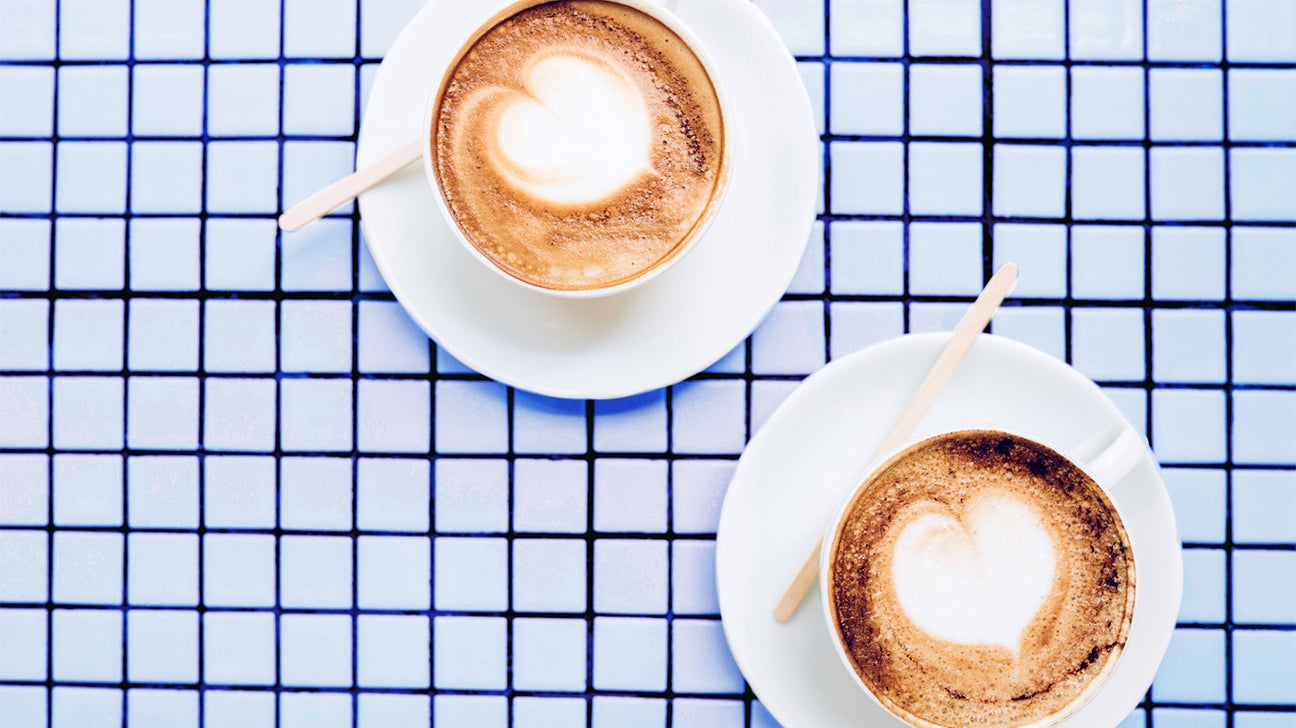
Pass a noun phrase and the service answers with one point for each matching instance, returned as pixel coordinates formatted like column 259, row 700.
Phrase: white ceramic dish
column 659, row 333
column 800, row 465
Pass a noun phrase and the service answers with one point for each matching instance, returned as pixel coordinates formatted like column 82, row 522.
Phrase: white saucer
column 799, row 466
column 671, row 327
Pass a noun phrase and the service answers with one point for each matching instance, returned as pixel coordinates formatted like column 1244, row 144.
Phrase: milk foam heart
column 977, row 577
column 579, row 134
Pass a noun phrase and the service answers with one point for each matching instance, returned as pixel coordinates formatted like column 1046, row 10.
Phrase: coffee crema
column 980, row 578
column 579, row 145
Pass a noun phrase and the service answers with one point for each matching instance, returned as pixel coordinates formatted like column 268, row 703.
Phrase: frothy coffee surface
column 981, row 579
column 579, row 144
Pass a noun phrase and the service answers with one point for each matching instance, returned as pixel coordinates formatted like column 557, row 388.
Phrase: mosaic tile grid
column 239, row 488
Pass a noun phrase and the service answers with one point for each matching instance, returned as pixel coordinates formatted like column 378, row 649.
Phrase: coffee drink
column 980, row 578
column 579, row 145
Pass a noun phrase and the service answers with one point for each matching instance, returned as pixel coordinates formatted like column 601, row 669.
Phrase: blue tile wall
column 239, row 487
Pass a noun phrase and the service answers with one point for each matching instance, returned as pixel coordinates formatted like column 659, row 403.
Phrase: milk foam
column 979, row 578
column 579, row 133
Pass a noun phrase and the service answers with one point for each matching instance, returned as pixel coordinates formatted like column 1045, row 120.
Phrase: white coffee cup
column 492, row 13
column 1106, row 457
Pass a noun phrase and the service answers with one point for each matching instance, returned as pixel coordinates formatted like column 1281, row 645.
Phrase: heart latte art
column 579, row 145
column 980, row 578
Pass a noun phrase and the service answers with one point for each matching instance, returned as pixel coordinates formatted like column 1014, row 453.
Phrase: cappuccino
column 579, row 145
column 980, row 578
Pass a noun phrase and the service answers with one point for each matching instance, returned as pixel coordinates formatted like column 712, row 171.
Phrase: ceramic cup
column 496, row 11
column 1105, row 457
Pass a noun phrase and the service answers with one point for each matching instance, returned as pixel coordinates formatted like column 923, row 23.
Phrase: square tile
column 315, row 649
column 88, row 413
column 1043, row 327
column 1040, row 252
column 790, row 340
column 549, row 574
column 1187, row 263
column 389, row 341
column 311, row 165
column 1029, row 101
column 165, row 254
column 1264, row 426
column 1107, row 183
column 239, row 414
column 87, row 646
column 945, row 179
column 318, row 257
column 701, row 712
column 27, row 188
column 868, row 257
column 393, row 710
column 92, row 101
column 87, row 490
column 166, row 177
column 866, row 29
column 88, row 335
column 1264, row 506
column 1186, row 104
column 244, row 28
column 1264, row 591
column 27, row 30
column 619, row 712
column 471, row 574
column 1203, row 589
column 162, row 646
column 393, row 416
column 239, row 336
column 1200, row 503
column 1107, row 102
column 90, row 30
column 1027, row 29
column 867, row 98
column 1188, row 425
column 1264, row 347
column 1188, row 346
column 393, row 572
column 945, row 28
column 945, row 99
column 471, row 417
column 319, row 29
column 487, row 711
column 24, row 634
column 87, row 567
column 77, row 706
column 162, row 569
column 548, row 425
column 29, row 395
column 240, row 254
column 469, row 653
column 549, row 712
column 315, row 572
column 629, row 653
column 242, row 177
column 1108, row 343
column 315, row 494
column 24, row 490
column 867, row 177
column 1030, row 180
column 856, row 325
column 630, row 576
column 25, row 247
column 1260, row 30
column 1261, row 661
column 1179, row 31
column 177, row 708
column 167, row 29
column 24, row 327
column 392, row 494
column 163, row 335
column 709, row 417
column 1262, row 103
column 238, row 571
column 315, row 414
column 91, row 177
column 392, row 651
column 945, row 258
column 766, row 396
column 472, row 495
column 700, row 658
column 314, row 710
column 25, row 558
column 693, row 579
column 235, row 708
column 315, row 336
column 89, row 253
column 550, row 496
column 1193, row 668
column 549, row 654
column 167, row 100
column 1262, row 184
column 630, row 495
column 319, row 99
column 162, row 413
column 162, row 491
column 30, row 94
column 1187, row 183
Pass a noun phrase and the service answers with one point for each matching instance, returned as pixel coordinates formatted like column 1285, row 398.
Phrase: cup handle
column 1108, row 457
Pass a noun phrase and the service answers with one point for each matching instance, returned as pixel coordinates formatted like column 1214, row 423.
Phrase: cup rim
column 499, row 11
column 832, row 536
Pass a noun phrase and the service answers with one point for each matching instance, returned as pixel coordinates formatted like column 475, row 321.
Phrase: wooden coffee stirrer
column 965, row 334
column 337, row 194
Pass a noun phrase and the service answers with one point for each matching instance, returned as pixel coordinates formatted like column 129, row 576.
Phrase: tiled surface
column 238, row 487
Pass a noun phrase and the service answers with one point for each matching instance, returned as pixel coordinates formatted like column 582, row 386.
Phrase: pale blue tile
column 315, row 493
column 1264, row 587
column 177, row 708
column 392, row 651
column 239, row 336
column 315, row 414
column 370, row 277
column 706, row 713
column 550, row 496
column 1188, row 425
column 24, row 327
column 319, row 99
column 812, row 77
column 1179, row 32
column 548, row 425
column 1187, row 183
column 629, row 654
column 29, row 95
column 1261, row 719
column 867, row 257
column 25, row 249
column 867, row 29
column 549, row 654
column 809, row 276
column 1264, row 347
column 1260, row 30
column 162, row 569
column 238, row 571
column 162, row 413
column 1040, row 253
column 693, row 578
column 88, row 413
column 26, row 705
column 1132, row 401
column 1026, row 29
column 1264, row 506
column 700, row 658
column 239, row 709
column 394, row 416
column 790, row 340
column 87, row 569
column 88, row 334
column 239, row 414
column 1261, row 663
column 166, row 177
column 1264, row 263
column 472, row 495
column 945, row 179
column 1107, row 102
column 164, row 254
column 857, row 325
column 945, row 258
column 25, row 558
column 392, row 494
column 26, row 186
column 800, row 25
column 1185, row 105
column 1043, row 327
column 630, row 495
column 315, row 336
column 469, row 653
column 1188, row 346
column 315, row 710
column 471, row 574
column 92, row 101
column 23, row 632
column 240, row 254
column 945, row 99
column 1188, row 263
column 945, row 28
column 1108, row 343
column 486, row 711
column 626, row 712
column 87, row 490
column 735, row 362
column 549, row 575
column 389, row 341
column 1262, row 104
column 315, row 572
column 630, row 576
column 27, row 30
column 244, row 28
column 24, row 489
column 242, row 177
column 315, row 649
column 1107, row 183
column 381, row 21
column 309, row 166
column 1030, row 180
column 547, row 712
column 169, row 28
column 1264, row 426
column 376, row 710
column 1030, row 101
column 87, row 646
column 94, row 29
column 163, row 491
column 318, row 257
column 709, row 417
column 631, row 424
column 1203, row 589
column 392, row 572
column 29, row 398
column 164, row 335
column 167, row 100
column 447, row 364
column 74, row 707
column 239, row 649
column 471, row 417
column 1187, row 718
column 1262, row 184
column 867, row 177
column 867, row 98
column 319, row 29
column 1199, row 500
column 1193, row 668
column 91, row 177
